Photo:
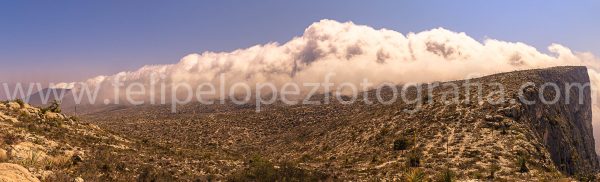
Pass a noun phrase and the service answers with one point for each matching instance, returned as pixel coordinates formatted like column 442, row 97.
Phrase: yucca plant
column 415, row 175
column 522, row 162
column 445, row 176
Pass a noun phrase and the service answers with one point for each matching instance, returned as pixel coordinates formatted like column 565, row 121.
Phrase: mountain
column 356, row 142
column 463, row 140
column 48, row 95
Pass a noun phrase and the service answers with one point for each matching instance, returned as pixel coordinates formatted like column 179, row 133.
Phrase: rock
column 78, row 179
column 512, row 111
column 51, row 115
column 77, row 157
column 28, row 151
column 6, row 118
column 3, row 155
column 44, row 175
column 14, row 172
column 494, row 118
column 31, row 109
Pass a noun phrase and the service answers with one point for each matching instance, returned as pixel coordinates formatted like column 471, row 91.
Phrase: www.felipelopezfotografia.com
column 321, row 91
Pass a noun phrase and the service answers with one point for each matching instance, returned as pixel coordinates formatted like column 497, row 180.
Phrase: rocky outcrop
column 14, row 172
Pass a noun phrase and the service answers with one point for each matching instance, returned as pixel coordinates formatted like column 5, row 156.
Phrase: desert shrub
column 522, row 163
column 31, row 160
column 74, row 118
column 53, row 107
column 493, row 169
column 401, row 143
column 415, row 175
column 413, row 159
column 477, row 175
column 58, row 162
column 11, row 139
column 426, row 98
column 260, row 169
column 149, row 174
column 20, row 102
column 445, row 176
column 59, row 176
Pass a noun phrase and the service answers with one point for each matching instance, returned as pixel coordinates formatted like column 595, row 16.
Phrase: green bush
column 20, row 102
column 402, row 144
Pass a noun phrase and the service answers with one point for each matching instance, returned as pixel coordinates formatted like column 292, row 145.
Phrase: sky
column 65, row 41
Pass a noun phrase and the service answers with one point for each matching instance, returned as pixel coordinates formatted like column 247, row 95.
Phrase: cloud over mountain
column 356, row 52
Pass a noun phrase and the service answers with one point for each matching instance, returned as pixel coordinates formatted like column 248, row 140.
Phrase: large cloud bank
column 355, row 52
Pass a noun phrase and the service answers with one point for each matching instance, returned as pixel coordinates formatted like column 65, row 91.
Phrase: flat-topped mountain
column 360, row 141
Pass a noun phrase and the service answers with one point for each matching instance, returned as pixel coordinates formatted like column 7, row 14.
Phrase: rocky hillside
column 469, row 139
column 42, row 145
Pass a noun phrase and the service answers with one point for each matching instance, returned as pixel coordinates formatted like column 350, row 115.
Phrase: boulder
column 28, row 151
column 14, row 172
column 6, row 118
column 51, row 115
column 3, row 155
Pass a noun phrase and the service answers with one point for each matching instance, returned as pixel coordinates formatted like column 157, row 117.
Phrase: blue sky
column 54, row 41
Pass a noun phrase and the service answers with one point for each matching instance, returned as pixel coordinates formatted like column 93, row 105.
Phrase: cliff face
column 565, row 128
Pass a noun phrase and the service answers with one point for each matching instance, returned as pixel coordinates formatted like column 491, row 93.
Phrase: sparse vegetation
column 445, row 176
column 260, row 170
